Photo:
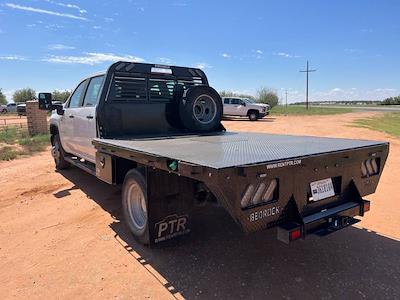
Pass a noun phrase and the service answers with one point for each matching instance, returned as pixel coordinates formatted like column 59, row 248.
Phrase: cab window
column 92, row 93
column 77, row 95
column 235, row 101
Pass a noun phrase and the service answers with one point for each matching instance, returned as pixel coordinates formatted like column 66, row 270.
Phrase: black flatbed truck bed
column 227, row 163
column 233, row 149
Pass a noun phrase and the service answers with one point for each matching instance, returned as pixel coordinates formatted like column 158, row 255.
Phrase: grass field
column 389, row 123
column 16, row 142
column 301, row 110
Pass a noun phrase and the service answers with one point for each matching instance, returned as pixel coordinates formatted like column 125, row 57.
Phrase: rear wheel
column 253, row 116
column 134, row 205
column 58, row 153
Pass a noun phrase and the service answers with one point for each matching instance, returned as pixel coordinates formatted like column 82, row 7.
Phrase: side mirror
column 59, row 109
column 244, row 103
column 45, row 101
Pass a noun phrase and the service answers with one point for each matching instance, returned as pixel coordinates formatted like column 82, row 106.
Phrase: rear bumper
column 326, row 221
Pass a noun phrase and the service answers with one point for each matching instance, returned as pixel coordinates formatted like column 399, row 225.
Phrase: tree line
column 26, row 94
column 391, row 101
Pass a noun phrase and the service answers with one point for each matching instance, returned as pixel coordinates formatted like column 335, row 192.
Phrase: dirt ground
column 61, row 238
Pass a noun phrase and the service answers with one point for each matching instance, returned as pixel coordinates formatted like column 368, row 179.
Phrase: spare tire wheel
column 200, row 109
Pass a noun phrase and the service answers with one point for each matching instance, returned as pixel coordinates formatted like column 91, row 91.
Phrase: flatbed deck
column 230, row 149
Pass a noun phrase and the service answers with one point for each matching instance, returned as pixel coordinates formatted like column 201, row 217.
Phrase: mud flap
column 170, row 203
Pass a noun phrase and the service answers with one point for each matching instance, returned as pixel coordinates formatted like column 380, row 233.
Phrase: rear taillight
column 370, row 167
column 263, row 192
column 295, row 234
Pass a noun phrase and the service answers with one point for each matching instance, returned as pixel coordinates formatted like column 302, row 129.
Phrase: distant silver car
column 21, row 109
column 243, row 107
column 3, row 108
column 12, row 107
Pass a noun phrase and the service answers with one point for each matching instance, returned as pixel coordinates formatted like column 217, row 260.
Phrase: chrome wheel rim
column 204, row 109
column 137, row 208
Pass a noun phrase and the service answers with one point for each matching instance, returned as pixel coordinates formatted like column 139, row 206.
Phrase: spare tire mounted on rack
column 200, row 109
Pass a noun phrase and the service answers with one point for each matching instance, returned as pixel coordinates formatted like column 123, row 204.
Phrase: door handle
column 71, row 116
column 89, row 117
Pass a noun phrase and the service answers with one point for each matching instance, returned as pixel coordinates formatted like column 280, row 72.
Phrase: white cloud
column 68, row 5
column 107, row 19
column 351, row 50
column 259, row 51
column 287, row 55
column 53, row 27
column 91, row 58
column 44, row 11
column 96, row 27
column 203, row 65
column 60, row 47
column 226, row 55
column 336, row 90
column 384, row 90
column 12, row 57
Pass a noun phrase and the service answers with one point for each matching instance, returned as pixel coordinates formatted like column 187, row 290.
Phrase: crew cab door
column 86, row 120
column 227, row 106
column 67, row 128
column 237, row 107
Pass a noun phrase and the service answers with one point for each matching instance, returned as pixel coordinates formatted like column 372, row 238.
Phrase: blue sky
column 241, row 45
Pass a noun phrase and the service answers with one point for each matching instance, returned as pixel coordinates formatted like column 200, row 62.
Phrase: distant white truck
column 244, row 107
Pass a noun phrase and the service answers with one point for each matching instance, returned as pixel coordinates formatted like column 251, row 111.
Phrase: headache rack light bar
column 161, row 69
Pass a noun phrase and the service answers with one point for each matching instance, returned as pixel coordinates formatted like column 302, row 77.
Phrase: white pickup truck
column 244, row 107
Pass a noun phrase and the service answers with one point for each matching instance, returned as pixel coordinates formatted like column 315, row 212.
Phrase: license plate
column 322, row 189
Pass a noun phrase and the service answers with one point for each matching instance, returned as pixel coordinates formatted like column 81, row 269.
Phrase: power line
column 307, row 71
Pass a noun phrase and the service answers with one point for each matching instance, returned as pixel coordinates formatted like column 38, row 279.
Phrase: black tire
column 134, row 197
column 253, row 116
column 200, row 109
column 58, row 153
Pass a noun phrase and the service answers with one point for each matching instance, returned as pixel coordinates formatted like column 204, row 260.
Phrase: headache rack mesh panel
column 125, row 88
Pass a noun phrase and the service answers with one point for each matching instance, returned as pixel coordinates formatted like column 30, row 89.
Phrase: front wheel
column 58, row 153
column 253, row 116
column 134, row 205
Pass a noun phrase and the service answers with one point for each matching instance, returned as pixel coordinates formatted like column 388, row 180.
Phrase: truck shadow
column 217, row 261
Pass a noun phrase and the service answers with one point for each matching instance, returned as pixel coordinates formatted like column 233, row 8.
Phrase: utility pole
column 286, row 97
column 307, row 71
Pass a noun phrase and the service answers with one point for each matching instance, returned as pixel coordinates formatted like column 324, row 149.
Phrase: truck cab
column 77, row 125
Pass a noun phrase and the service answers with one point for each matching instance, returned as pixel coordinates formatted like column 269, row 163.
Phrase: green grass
column 8, row 135
column 8, row 153
column 389, row 123
column 20, row 143
column 301, row 110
